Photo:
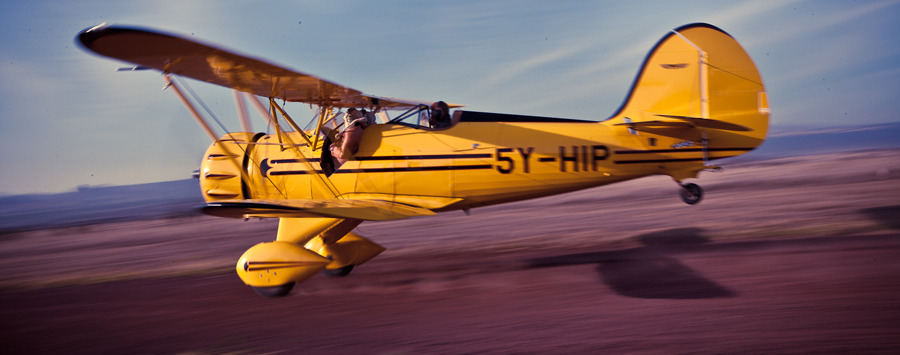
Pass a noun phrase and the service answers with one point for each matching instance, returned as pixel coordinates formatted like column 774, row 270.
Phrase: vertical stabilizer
column 699, row 82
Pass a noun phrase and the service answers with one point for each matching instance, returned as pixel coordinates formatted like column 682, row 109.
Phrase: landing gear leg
column 691, row 193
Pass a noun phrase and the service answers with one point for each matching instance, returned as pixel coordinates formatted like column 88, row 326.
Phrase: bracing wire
column 197, row 99
column 222, row 126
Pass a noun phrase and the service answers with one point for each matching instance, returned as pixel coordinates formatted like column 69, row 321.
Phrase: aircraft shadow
column 647, row 271
column 887, row 216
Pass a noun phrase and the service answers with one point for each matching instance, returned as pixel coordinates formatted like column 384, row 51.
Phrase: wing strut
column 290, row 122
column 271, row 115
column 322, row 115
column 203, row 124
column 325, row 186
column 241, row 107
column 190, row 108
column 259, row 106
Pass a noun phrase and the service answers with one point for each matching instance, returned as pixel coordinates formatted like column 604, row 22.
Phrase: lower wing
column 368, row 210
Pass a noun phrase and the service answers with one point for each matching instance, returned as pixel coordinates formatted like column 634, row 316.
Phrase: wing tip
column 87, row 36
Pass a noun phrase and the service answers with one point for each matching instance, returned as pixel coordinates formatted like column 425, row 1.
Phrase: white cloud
column 750, row 11
column 793, row 28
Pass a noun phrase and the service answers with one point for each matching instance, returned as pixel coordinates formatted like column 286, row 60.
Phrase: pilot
column 370, row 117
column 440, row 115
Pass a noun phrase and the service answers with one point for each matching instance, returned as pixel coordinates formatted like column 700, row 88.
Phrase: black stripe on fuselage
column 688, row 150
column 655, row 161
column 269, row 265
column 387, row 170
column 424, row 157
column 475, row 116
column 674, row 160
column 391, row 169
column 392, row 157
column 288, row 161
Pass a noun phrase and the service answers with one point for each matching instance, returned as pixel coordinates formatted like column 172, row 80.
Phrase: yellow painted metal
column 271, row 155
column 274, row 119
column 278, row 263
column 301, row 230
column 323, row 112
column 352, row 249
column 222, row 171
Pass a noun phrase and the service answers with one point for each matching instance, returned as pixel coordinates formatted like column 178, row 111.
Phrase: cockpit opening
column 436, row 117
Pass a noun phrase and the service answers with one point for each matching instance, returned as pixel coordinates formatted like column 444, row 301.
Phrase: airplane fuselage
column 468, row 165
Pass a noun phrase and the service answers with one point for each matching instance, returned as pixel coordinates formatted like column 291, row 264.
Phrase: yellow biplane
column 698, row 97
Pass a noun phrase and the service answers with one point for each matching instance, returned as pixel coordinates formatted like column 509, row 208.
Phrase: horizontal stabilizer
column 655, row 124
column 369, row 210
column 709, row 123
column 684, row 122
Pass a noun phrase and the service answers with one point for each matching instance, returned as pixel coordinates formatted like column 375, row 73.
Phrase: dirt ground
column 791, row 255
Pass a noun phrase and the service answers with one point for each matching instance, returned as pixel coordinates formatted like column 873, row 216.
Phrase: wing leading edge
column 174, row 54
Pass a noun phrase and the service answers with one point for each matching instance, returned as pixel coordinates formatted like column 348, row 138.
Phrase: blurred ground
column 796, row 254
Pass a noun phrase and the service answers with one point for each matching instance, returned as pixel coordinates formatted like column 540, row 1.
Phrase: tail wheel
column 339, row 272
column 691, row 193
column 274, row 291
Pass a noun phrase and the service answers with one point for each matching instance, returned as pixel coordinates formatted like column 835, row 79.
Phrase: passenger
column 327, row 161
column 440, row 115
column 354, row 116
column 347, row 143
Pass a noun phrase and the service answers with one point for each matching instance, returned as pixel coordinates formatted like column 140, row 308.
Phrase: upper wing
column 369, row 210
column 186, row 57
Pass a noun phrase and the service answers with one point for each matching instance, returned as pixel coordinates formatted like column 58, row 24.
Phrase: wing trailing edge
column 367, row 210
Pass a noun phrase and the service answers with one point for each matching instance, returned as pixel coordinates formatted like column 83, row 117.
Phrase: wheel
column 340, row 272
column 691, row 194
column 274, row 291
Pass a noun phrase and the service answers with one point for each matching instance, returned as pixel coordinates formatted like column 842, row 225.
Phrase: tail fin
column 699, row 84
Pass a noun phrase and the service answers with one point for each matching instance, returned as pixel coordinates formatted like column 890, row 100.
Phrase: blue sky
column 67, row 118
